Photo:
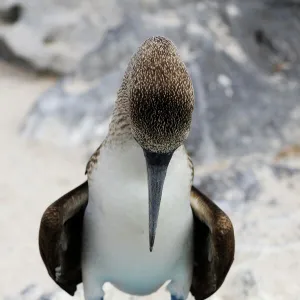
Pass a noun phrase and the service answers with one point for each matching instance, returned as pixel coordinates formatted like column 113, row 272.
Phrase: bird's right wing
column 60, row 238
column 213, row 245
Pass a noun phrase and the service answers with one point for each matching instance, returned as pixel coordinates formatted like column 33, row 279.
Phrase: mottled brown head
column 161, row 96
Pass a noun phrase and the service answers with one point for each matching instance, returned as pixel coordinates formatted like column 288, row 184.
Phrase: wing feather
column 214, row 245
column 60, row 238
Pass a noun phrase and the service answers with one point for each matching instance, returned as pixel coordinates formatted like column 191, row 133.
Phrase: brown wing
column 60, row 238
column 213, row 246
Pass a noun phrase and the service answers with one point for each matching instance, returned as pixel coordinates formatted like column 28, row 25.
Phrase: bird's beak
column 157, row 165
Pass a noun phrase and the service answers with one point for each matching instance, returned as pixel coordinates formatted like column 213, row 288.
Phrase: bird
column 137, row 221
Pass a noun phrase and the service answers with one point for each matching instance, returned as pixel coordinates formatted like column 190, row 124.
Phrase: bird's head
column 161, row 100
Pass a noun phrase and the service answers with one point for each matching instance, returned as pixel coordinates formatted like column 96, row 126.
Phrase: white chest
column 116, row 221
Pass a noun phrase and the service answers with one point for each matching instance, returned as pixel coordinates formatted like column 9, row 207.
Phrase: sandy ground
column 33, row 175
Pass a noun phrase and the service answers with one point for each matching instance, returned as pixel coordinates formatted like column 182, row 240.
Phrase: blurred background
column 61, row 63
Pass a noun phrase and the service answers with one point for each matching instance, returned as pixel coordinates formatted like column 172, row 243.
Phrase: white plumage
column 116, row 242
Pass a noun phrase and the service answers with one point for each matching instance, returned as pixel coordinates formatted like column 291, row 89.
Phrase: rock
column 261, row 29
column 241, row 106
column 267, row 234
column 232, row 185
column 236, row 183
column 82, row 116
column 54, row 35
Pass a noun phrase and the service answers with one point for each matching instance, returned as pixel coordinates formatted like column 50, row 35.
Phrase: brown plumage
column 214, row 245
column 161, row 96
column 92, row 161
column 60, row 237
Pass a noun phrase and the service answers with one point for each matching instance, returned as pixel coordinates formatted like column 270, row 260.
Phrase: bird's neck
column 120, row 125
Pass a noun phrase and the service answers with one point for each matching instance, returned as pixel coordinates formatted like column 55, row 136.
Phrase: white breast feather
column 116, row 243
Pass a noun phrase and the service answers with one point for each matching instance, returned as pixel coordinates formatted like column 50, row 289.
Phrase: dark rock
column 12, row 14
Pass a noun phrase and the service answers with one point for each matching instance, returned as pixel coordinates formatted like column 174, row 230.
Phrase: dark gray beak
column 157, row 165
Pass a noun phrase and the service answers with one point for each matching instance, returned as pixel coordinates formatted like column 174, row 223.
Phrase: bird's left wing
column 60, row 238
column 213, row 245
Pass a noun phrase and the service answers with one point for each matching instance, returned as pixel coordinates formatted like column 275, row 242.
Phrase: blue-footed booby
column 138, row 222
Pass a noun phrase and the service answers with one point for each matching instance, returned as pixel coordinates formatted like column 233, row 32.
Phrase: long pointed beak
column 157, row 165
